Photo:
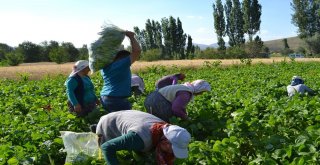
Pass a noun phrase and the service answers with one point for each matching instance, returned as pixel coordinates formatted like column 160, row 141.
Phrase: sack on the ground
column 80, row 147
column 106, row 47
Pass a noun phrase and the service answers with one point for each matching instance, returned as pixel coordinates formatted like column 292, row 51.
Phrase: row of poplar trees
column 235, row 19
column 167, row 36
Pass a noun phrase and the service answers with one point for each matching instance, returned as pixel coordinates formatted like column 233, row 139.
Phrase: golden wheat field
column 39, row 70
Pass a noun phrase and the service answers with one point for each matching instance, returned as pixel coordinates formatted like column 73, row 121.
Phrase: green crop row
column 247, row 118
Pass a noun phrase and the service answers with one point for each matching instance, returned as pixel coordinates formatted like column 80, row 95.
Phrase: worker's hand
column 98, row 102
column 77, row 108
column 129, row 34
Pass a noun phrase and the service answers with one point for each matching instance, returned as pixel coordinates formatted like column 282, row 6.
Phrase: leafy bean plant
column 247, row 117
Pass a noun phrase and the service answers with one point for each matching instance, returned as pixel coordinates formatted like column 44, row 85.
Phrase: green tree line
column 51, row 51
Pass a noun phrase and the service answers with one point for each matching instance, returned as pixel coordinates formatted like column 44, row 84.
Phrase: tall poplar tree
column 219, row 23
column 140, row 35
column 237, row 17
column 167, row 38
column 285, row 44
column 251, row 16
column 306, row 17
column 157, row 34
column 190, row 47
column 181, row 40
column 150, row 41
column 234, row 27
column 229, row 27
column 173, row 33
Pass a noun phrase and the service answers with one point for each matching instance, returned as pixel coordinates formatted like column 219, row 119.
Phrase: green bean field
column 247, row 118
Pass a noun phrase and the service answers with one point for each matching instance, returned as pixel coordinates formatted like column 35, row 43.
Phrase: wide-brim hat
column 179, row 139
column 79, row 66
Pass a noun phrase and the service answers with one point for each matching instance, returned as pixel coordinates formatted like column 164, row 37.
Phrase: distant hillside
column 273, row 45
column 203, row 46
column 277, row 45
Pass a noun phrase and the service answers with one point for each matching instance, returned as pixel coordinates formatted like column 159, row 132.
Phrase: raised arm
column 136, row 50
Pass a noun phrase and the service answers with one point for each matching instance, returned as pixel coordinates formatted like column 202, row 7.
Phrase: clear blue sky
column 79, row 21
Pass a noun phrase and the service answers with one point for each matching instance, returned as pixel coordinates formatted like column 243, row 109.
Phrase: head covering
column 78, row 66
column 179, row 139
column 296, row 80
column 137, row 81
column 198, row 86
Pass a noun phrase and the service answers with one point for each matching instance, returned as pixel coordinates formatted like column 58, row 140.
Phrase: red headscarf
column 158, row 138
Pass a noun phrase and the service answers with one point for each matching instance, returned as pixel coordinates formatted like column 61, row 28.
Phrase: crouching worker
column 134, row 130
column 172, row 100
column 80, row 90
column 297, row 86
column 137, row 85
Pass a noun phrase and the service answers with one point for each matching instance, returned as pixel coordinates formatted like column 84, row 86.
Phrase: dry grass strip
column 37, row 71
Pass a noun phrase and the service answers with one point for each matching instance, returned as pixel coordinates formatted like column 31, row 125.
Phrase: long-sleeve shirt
column 89, row 93
column 118, row 123
column 300, row 88
column 180, row 102
column 179, row 96
column 167, row 80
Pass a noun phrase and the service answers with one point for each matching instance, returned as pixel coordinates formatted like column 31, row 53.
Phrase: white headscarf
column 198, row 86
column 79, row 66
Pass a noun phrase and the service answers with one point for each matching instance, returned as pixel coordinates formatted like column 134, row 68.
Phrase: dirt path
column 39, row 70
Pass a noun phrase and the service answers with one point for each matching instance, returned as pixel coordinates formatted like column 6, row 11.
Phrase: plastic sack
column 104, row 50
column 80, row 147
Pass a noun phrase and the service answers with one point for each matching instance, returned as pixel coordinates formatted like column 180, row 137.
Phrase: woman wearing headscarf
column 137, row 85
column 172, row 100
column 134, row 130
column 80, row 90
column 297, row 86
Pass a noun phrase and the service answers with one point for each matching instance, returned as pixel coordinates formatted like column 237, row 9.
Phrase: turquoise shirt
column 117, row 78
column 89, row 93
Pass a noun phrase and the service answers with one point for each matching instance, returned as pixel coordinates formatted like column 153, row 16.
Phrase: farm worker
column 117, row 78
column 169, row 80
column 137, row 85
column 80, row 90
column 135, row 130
column 297, row 85
column 172, row 100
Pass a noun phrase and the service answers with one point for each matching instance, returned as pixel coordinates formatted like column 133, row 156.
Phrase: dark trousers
column 130, row 142
column 112, row 104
